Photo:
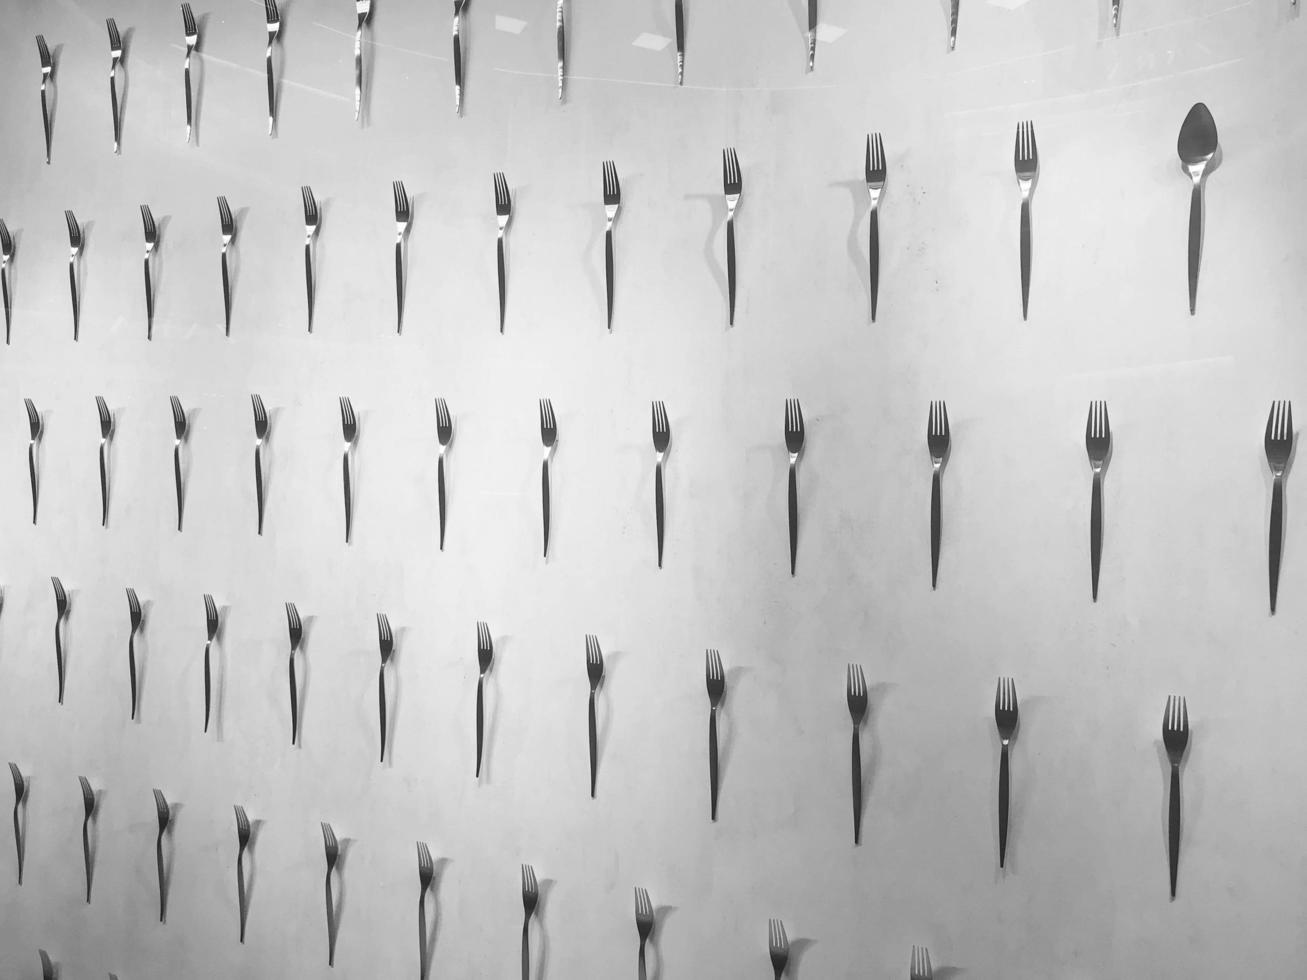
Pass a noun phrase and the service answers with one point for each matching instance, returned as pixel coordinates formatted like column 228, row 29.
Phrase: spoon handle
column 1195, row 241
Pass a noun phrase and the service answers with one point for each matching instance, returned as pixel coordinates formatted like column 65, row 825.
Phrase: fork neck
column 611, row 211
column 794, row 460
column 874, row 194
column 659, row 457
column 936, row 462
column 732, row 201
column 1096, row 466
column 1278, row 472
column 1026, row 184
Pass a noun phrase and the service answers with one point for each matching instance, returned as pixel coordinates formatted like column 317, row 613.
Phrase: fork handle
column 308, row 280
column 45, row 120
column 177, row 479
column 399, row 286
column 526, row 950
column 381, row 706
column 131, row 669
column 658, row 508
column 1002, row 806
column 113, row 102
column 1195, row 241
column 59, row 658
column 499, row 250
column 1276, row 536
column 86, row 854
column 953, row 25
column 294, row 703
column 712, row 760
column 258, row 484
column 544, row 496
column 730, row 267
column 331, row 921
column 608, row 272
column 857, row 787
column 358, row 72
column 226, row 294
column 680, row 42
column 873, row 260
column 349, row 495
column 643, row 974
column 104, row 486
column 163, row 894
column 4, row 294
column 934, row 527
column 422, row 935
column 440, row 497
column 31, row 472
column 594, row 745
column 794, row 515
column 1173, row 826
column 1095, row 531
column 18, row 840
column 240, row 889
column 481, row 715
column 72, row 287
column 208, row 687
column 272, row 90
column 458, row 67
column 812, row 50
column 149, row 300
column 187, row 73
column 1025, row 256
column 562, row 52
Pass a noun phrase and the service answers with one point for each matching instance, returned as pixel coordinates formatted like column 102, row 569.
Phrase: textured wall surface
column 1183, row 602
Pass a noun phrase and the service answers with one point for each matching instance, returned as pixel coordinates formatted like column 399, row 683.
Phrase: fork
column 164, row 813
column 732, row 186
column 485, row 656
column 403, row 218
column 1005, row 718
column 919, row 968
column 530, row 896
column 794, row 444
column 458, row 59
column 349, row 429
column 778, row 945
column 386, row 639
column 644, row 920
column 875, row 168
column 242, row 842
column 6, row 254
column 612, row 202
column 106, row 433
column 1175, row 736
column 444, row 435
column 1279, row 446
column 953, row 24
column 274, row 28
column 211, row 631
column 311, row 223
column 426, row 872
column 179, row 436
column 151, row 240
column 192, row 33
column 1098, row 443
column 856, row 686
column 1026, row 161
column 937, row 441
column 134, row 610
column 561, row 37
column 662, row 437
column 364, row 10
column 74, row 250
column 60, row 612
column 88, row 810
column 20, row 789
column 260, row 437
column 594, row 668
column 296, row 628
column 332, row 849
column 812, row 34
column 548, row 436
column 47, row 77
column 228, row 225
column 503, row 214
column 680, row 41
column 115, row 57
column 35, row 426
column 716, row 678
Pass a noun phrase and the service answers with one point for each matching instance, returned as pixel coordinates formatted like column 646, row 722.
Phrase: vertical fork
column 680, row 41
column 179, row 436
column 530, row 896
column 716, row 679
column 60, row 611
column 274, row 28
column 332, row 849
column 612, row 202
column 485, row 656
column 151, row 240
column 349, row 429
column 1005, row 719
column 937, row 441
column 227, row 225
column 953, row 24
column 6, row 254
column 856, row 685
column 386, row 639
column 364, row 10
column 1098, row 444
column 1175, row 737
column 732, row 187
column 444, row 435
column 20, row 790
column 594, row 668
column 47, row 966
column 794, row 445
column 503, row 214
column 311, row 221
column 134, row 611
column 1279, row 447
column 242, row 842
column 211, row 631
column 560, row 31
column 164, row 813
column 115, row 57
column 812, row 35
column 1026, row 161
column 426, row 872
column 458, row 59
column 778, row 945
column 644, row 921
column 88, row 810
column 106, row 433
column 919, row 968
column 875, row 173
column 296, row 629
column 549, row 437
column 192, row 33
column 662, row 437
column 260, row 437
column 47, row 77
column 74, row 250
column 403, row 217
column 34, row 425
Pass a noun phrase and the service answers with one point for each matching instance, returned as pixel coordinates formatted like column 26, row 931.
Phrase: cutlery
column 228, row 226
column 875, row 184
column 778, row 945
column 426, row 872
column 35, row 426
column 164, row 814
column 364, row 10
column 1197, row 146
column 74, row 250
column 812, row 34
column 503, row 214
column 106, row 433
column 548, row 436
column 242, row 842
column 47, row 77
column 179, row 436
column 458, row 59
column 115, row 56
column 1005, row 718
column 1098, row 443
column 1175, row 736
column 716, row 678
column 311, row 223
column 857, row 697
column 296, row 628
column 211, row 631
column 732, row 186
column 1116, row 16
column 612, row 202
column 919, row 969
column 1026, row 161
column 560, row 31
column 444, row 435
column 594, row 668
column 937, row 441
column 680, row 42
column 134, row 609
column 47, row 967
column 387, row 641
column 6, row 254
column 60, row 611
column 644, row 917
column 88, row 810
column 403, row 218
column 260, row 438
column 530, row 896
column 953, row 24
column 349, row 429
column 151, row 240
column 485, row 655
column 274, row 28
column 662, row 437
column 1279, row 446
column 794, row 445
column 192, row 42
column 20, row 789
column 332, row 849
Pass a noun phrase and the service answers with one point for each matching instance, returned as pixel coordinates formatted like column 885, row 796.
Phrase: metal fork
column 856, row 692
column 1175, row 736
column 778, row 945
column 485, row 656
column 937, row 442
column 164, row 813
column 812, row 34
column 794, row 445
column 732, row 187
column 364, row 10
column 875, row 168
column 134, row 611
column 349, row 428
column 1116, row 15
column 6, row 254
column 106, row 433
column 311, row 223
column 1279, row 446
column 260, row 437
column 716, row 679
column 919, row 967
column 211, row 629
column 34, row 425
column 386, row 639
column 88, row 810
column 74, row 250
column 458, row 59
column 151, row 240
column 228, row 226
column 47, row 965
column 680, row 41
column 192, row 33
column 403, row 218
column 296, row 629
column 1005, row 718
column 274, row 28
column 47, row 77
column 560, row 32
column 953, row 24
column 612, row 202
column 179, row 436
column 20, row 789
column 549, row 437
column 662, row 437
column 115, row 57
column 530, row 896
column 332, row 849
column 503, row 214
column 1098, row 444
column 1026, row 162
column 426, row 872
column 594, row 668
column 444, row 435
column 242, row 842
column 644, row 919
column 60, row 611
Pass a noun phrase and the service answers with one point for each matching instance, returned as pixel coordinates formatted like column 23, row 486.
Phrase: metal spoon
column 1196, row 146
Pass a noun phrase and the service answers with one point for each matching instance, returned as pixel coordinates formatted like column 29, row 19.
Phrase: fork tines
column 115, row 39
column 1175, row 722
column 643, row 907
column 548, row 424
column 329, row 843
column 503, row 198
column 310, row 207
column 225, row 219
column 1026, row 154
column 778, row 944
column 401, row 202
column 242, row 825
column 856, row 687
column 426, row 867
column 210, row 616
column 919, row 969
column 151, row 229
column 178, row 417
column 348, row 421
column 530, row 888
column 612, row 185
column 294, row 625
column 260, row 416
column 74, row 230
column 44, row 50
column 1279, row 447
column 732, row 180
column 189, row 27
column 270, row 9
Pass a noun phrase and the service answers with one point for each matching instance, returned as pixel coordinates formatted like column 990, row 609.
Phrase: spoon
column 1196, row 146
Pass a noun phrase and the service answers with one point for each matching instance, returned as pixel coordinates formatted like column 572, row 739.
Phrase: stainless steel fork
column 115, row 59
column 794, row 445
column 134, row 611
column 732, row 187
column 311, row 223
column 88, row 811
column 612, row 204
column 1279, row 447
column 242, row 842
column 260, row 438
column 1026, row 162
column 1098, row 444
column 716, row 680
column 349, row 429
column 1175, row 738
column 332, row 849
column 211, row 633
column 60, row 613
column 662, row 437
column 875, row 174
column 164, row 814
column 856, row 694
column 6, row 255
column 106, row 434
column 503, row 214
column 937, row 442
column 47, row 78
column 458, row 58
column 192, row 34
column 34, row 425
column 74, row 250
column 273, row 17
column 644, row 923
column 530, row 896
column 549, row 438
column 403, row 218
column 444, row 436
column 426, row 872
column 594, row 668
column 151, row 240
column 812, row 35
column 919, row 967
column 364, row 10
column 295, row 626
column 20, row 790
column 386, row 640
column 485, row 656
column 778, row 946
column 1005, row 719
column 227, row 225
column 179, row 437
column 560, row 32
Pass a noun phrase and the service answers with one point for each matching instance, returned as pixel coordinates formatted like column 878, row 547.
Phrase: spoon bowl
column 1197, row 143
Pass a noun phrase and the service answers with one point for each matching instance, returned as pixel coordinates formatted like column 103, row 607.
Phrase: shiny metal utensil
column 106, row 435
column 88, row 811
column 295, row 626
column 1005, row 718
column 1279, row 447
column 594, row 668
column 680, row 41
column 403, row 219
column 1175, row 737
column 386, row 641
column 211, row 634
column 242, row 842
column 1098, row 444
column 47, row 78
column 812, row 34
column 349, row 428
column 953, row 24
column 937, row 441
column 363, row 8
column 549, row 438
column 560, row 34
column 20, row 790
column 134, row 611
column 273, row 17
column 74, row 251
column 151, row 241
column 35, row 426
column 485, row 656
column 530, row 896
column 778, row 947
column 192, row 34
column 1197, row 146
column 458, row 58
column 794, row 445
column 612, row 203
column 856, row 694
column 503, row 215
column 716, row 680
column 6, row 256
column 227, row 225
column 875, row 173
column 312, row 221
column 261, row 429
column 179, row 426
column 115, row 59
column 60, row 613
column 919, row 966
column 164, row 814
column 426, row 873
column 332, row 849
column 662, row 437
column 444, row 436
column 732, row 187
column 644, row 922
column 1026, row 161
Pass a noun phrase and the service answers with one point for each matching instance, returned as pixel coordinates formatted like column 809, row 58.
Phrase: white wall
column 1182, row 607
